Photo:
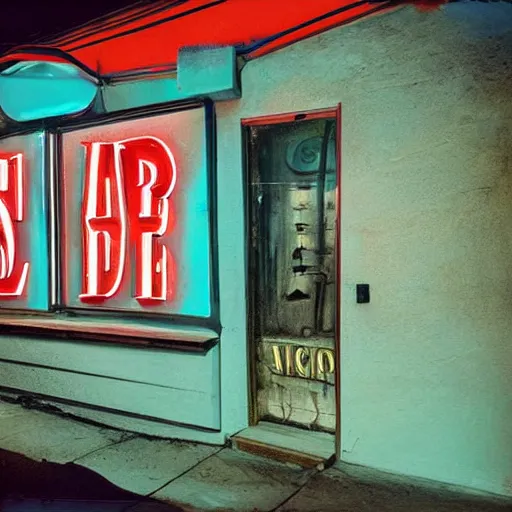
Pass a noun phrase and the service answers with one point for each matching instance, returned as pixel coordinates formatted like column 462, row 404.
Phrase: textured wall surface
column 426, row 220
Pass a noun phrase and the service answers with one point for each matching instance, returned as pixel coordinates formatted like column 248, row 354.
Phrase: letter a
column 104, row 225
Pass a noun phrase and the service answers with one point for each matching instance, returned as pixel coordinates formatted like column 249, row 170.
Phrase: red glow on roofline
column 145, row 38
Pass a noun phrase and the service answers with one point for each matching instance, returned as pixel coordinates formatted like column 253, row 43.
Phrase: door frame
column 247, row 124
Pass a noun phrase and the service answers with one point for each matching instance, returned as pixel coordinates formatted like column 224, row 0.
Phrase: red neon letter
column 13, row 273
column 127, row 189
column 103, row 223
column 150, row 176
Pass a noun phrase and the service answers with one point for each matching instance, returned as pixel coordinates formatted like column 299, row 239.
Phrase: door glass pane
column 293, row 178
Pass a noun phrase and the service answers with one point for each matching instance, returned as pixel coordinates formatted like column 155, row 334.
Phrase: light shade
column 33, row 90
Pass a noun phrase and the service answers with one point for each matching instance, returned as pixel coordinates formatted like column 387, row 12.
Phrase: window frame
column 140, row 328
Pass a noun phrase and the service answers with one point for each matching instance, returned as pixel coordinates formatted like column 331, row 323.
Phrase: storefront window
column 135, row 217
column 24, row 275
column 115, row 230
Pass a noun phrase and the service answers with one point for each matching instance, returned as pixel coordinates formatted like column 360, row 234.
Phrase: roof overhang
column 148, row 39
column 186, row 48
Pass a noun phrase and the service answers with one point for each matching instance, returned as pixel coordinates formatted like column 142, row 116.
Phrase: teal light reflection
column 196, row 247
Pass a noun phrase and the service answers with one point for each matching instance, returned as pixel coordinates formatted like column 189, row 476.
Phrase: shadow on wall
column 480, row 21
column 485, row 33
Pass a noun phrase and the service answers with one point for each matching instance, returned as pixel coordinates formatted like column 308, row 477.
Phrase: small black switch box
column 363, row 293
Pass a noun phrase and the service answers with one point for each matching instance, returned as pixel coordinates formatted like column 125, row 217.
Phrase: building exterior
column 301, row 240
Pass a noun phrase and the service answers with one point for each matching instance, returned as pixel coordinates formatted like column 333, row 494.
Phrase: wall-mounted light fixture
column 31, row 90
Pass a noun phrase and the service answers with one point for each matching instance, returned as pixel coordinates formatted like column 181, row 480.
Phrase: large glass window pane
column 135, row 216
column 24, row 271
column 295, row 186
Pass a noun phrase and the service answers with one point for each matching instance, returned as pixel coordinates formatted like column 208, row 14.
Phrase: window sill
column 178, row 337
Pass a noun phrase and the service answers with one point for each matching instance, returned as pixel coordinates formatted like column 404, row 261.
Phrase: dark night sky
column 26, row 22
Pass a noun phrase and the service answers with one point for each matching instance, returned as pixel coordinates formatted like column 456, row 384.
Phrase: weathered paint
column 426, row 216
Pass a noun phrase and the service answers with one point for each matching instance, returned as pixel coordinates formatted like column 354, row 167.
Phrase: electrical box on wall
column 208, row 71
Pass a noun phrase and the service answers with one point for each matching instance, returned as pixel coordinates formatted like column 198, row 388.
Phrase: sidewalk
column 178, row 475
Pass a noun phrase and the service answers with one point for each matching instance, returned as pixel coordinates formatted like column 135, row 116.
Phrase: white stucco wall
column 426, row 220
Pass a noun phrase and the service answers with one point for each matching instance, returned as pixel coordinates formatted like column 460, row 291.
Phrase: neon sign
column 126, row 206
column 135, row 234
column 13, row 271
